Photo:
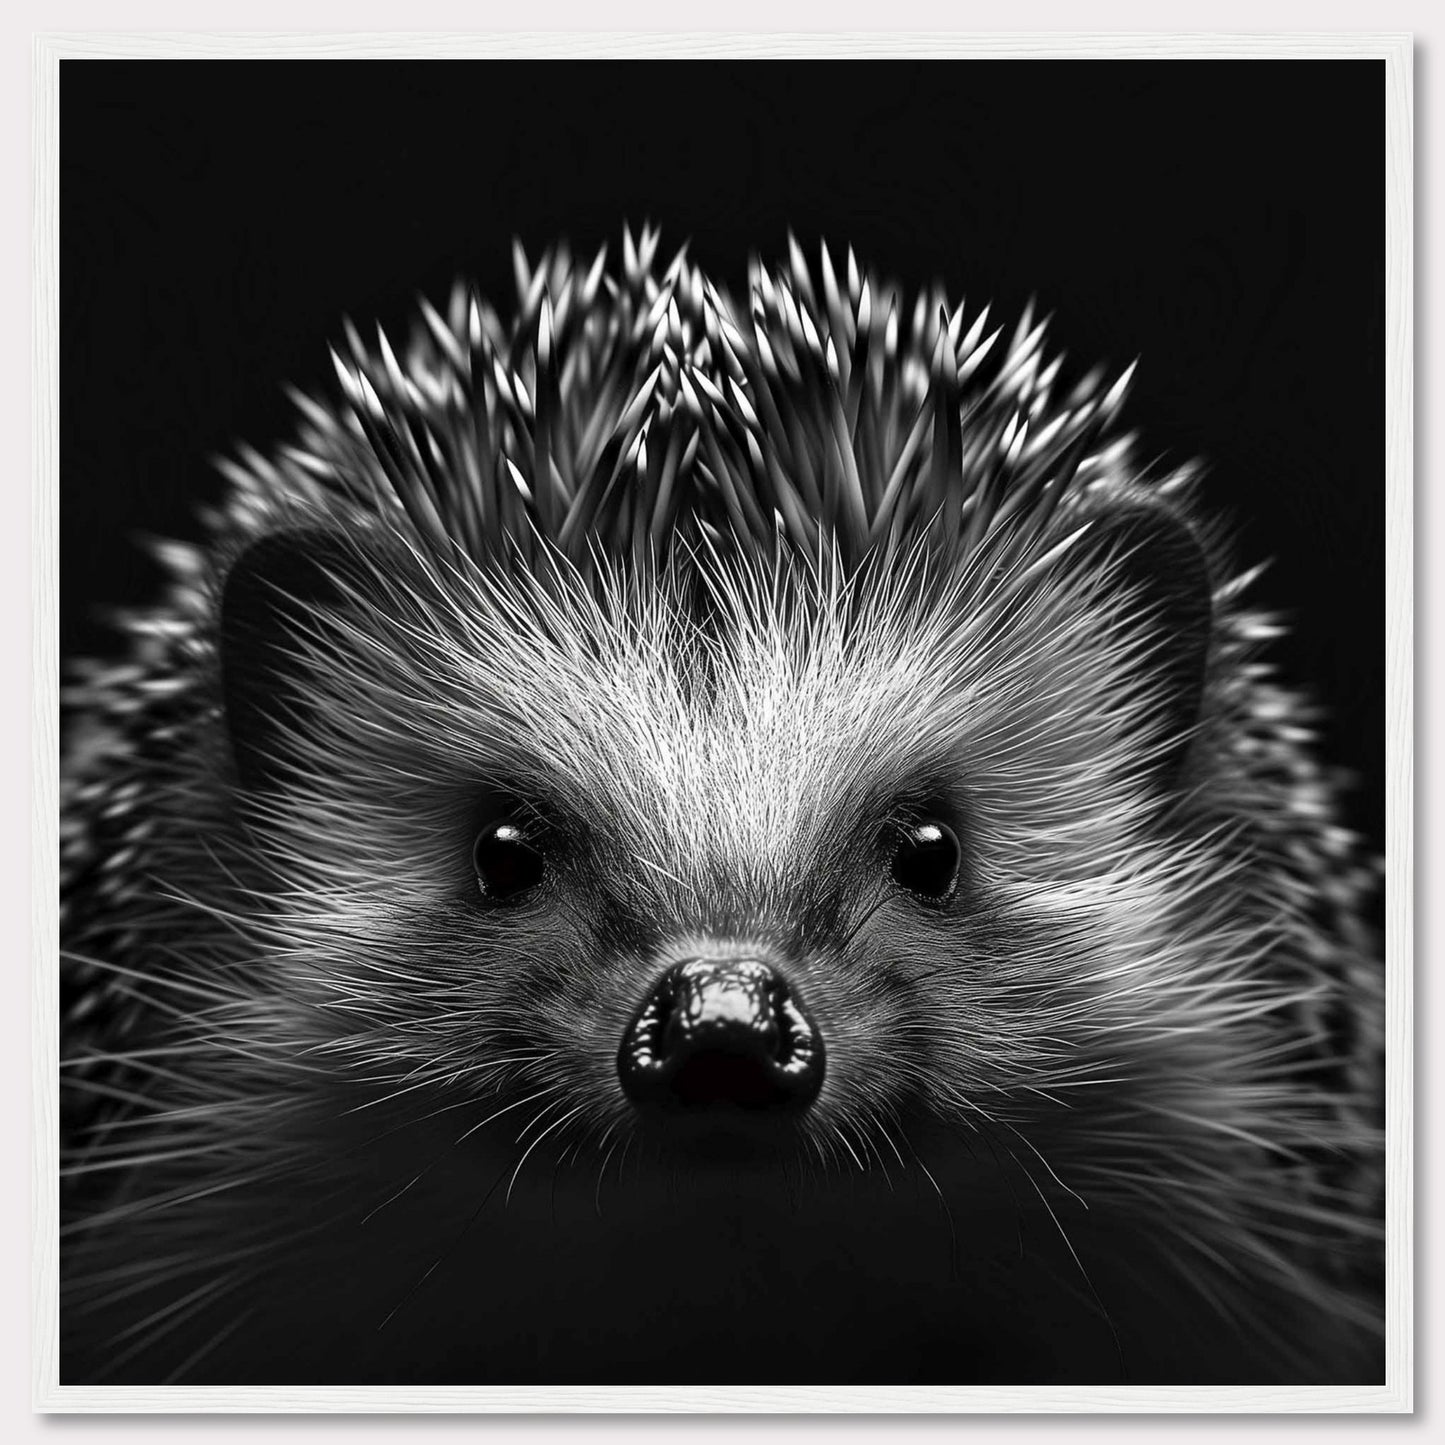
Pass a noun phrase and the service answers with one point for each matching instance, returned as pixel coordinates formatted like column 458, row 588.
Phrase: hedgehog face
column 801, row 862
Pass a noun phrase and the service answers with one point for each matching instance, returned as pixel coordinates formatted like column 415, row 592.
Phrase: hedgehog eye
column 926, row 860
column 507, row 864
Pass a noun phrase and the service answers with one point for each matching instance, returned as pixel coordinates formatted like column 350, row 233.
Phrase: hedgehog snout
column 716, row 1034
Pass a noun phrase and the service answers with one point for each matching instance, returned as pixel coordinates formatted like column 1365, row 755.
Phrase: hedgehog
column 677, row 839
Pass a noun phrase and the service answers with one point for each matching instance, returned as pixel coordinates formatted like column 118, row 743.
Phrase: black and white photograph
column 722, row 722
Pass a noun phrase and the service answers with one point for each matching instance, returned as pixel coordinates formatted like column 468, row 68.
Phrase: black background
column 1224, row 221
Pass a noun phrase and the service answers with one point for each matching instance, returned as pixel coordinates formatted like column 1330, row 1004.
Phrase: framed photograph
column 723, row 721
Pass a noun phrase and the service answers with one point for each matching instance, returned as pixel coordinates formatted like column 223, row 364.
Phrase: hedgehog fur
column 714, row 598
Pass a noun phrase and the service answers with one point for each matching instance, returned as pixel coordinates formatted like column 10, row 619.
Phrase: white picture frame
column 1395, row 51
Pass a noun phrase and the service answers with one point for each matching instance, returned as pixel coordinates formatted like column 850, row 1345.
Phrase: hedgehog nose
column 716, row 1032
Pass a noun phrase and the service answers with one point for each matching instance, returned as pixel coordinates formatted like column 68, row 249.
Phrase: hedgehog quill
column 670, row 839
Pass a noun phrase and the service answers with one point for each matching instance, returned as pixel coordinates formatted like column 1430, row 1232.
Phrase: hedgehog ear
column 280, row 588
column 1151, row 551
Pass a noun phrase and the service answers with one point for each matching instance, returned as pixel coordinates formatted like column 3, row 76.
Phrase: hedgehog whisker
column 556, row 1124
column 441, row 1258
column 192, row 1360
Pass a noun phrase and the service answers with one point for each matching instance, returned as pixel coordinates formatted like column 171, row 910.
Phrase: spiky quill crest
column 872, row 508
